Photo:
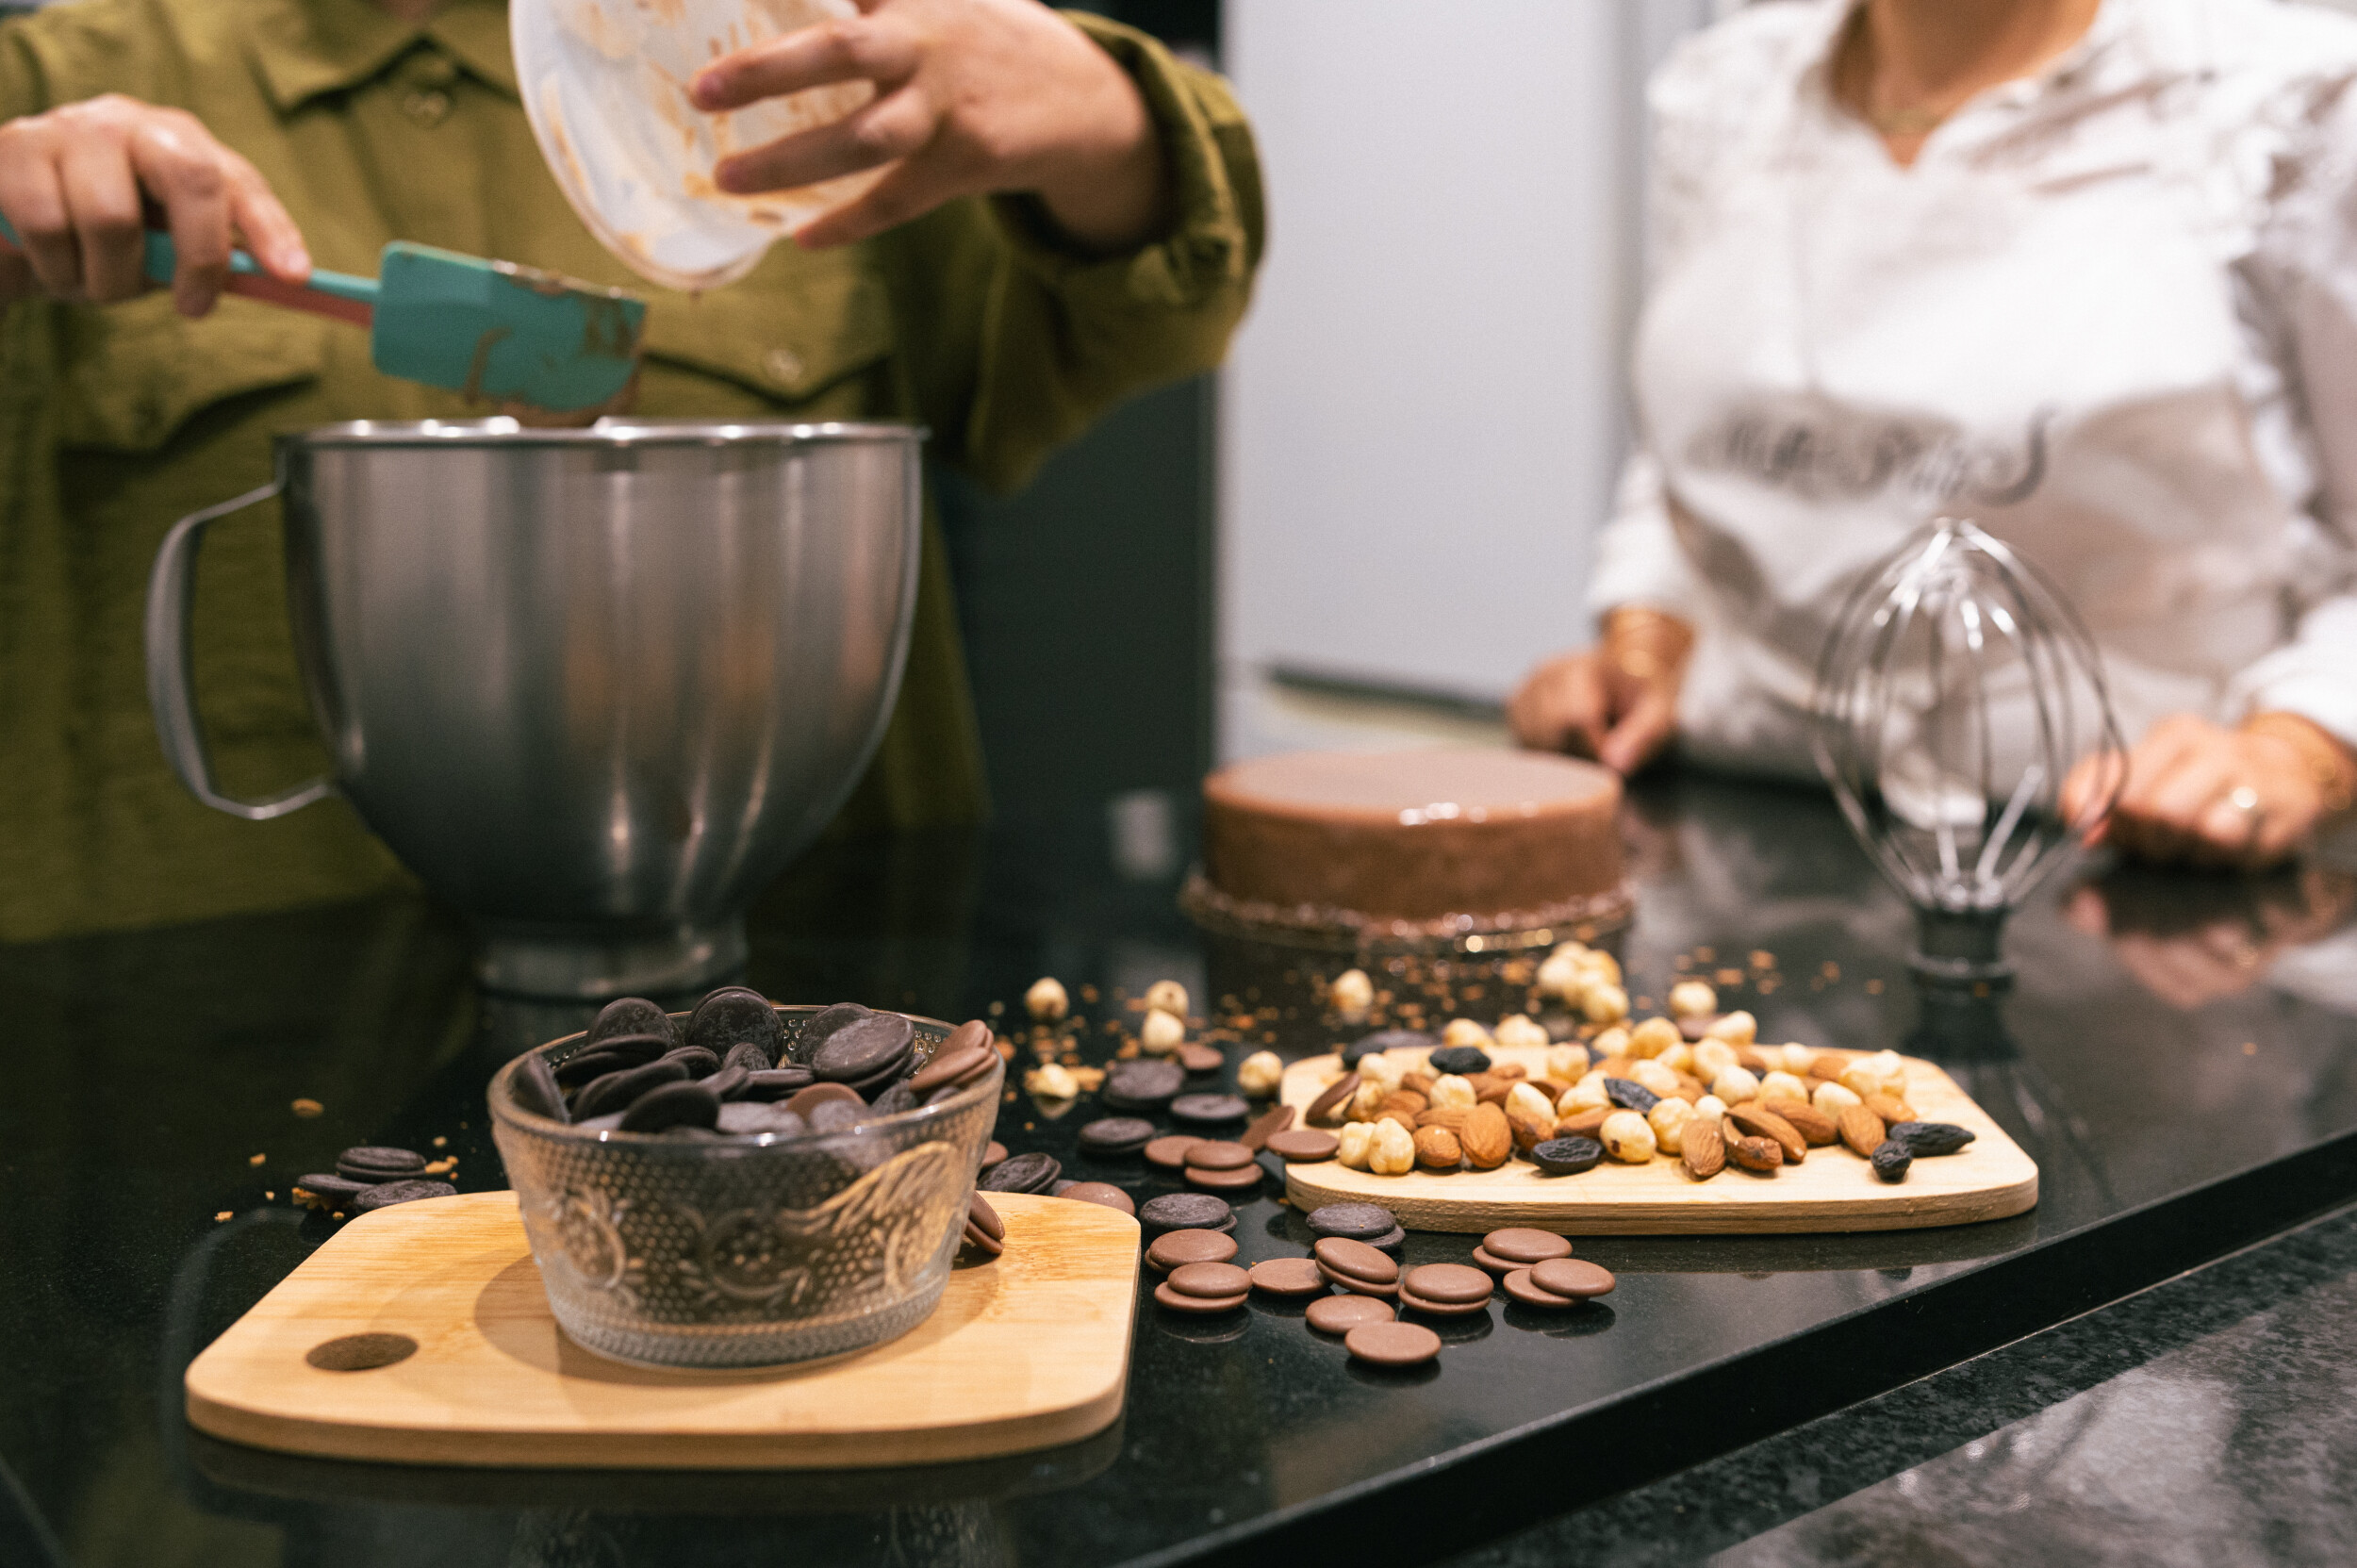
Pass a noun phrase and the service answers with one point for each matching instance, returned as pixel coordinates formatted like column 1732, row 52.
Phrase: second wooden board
column 1027, row 1351
column 1831, row 1190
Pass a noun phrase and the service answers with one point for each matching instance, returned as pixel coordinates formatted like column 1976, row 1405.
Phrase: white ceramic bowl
column 604, row 83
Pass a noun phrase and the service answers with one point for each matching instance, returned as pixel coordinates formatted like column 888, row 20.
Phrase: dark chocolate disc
column 863, row 1047
column 731, row 1016
column 1361, row 1222
column 633, row 1016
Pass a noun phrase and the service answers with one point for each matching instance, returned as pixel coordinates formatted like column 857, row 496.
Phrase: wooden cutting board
column 1027, row 1351
column 1831, row 1190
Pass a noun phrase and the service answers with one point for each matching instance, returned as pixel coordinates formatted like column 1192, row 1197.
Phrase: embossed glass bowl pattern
column 745, row 1251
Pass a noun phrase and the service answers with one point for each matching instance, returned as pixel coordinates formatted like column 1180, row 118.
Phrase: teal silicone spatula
column 490, row 329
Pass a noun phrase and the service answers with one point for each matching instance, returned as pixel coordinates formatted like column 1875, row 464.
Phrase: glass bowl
column 746, row 1250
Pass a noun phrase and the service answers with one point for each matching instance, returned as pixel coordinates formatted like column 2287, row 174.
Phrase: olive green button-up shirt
column 115, row 422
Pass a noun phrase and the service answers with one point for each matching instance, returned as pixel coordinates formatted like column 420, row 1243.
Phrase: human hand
column 1616, row 701
column 972, row 97
column 2201, row 794
column 2194, row 944
column 75, row 184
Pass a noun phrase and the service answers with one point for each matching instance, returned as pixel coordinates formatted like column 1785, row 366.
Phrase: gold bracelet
column 1646, row 644
column 2329, row 765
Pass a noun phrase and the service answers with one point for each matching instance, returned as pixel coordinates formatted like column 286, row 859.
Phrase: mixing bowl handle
column 171, row 682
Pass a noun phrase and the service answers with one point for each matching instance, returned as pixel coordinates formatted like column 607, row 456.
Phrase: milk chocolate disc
column 1170, row 1153
column 1361, row 1261
column 1519, row 1245
column 1450, row 1284
column 1103, row 1194
column 1573, row 1276
column 1218, row 1154
column 1392, row 1343
column 1518, row 1287
column 1209, row 1282
column 1288, row 1277
column 1266, row 1125
column 1177, row 1302
column 1177, row 1248
column 1244, row 1180
column 1304, row 1146
column 1340, row 1315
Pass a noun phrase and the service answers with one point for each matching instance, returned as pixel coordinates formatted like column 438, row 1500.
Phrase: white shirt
column 2110, row 313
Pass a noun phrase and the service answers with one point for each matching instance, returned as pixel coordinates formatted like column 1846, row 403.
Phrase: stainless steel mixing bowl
column 595, row 687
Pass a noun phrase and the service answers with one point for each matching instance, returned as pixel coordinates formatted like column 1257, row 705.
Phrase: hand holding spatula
column 490, row 329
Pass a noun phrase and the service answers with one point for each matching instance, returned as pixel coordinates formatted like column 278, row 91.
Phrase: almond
column 1891, row 1108
column 1405, row 1118
column 1861, row 1131
column 1615, row 1066
column 1420, row 1082
column 1705, row 1151
column 1487, row 1137
column 1756, row 1154
column 1508, row 1071
column 1529, row 1130
column 1828, row 1066
column 1745, row 1056
column 1813, row 1125
column 1494, row 1091
column 1448, row 1117
column 1404, row 1099
column 1583, row 1125
column 1437, row 1148
column 1549, row 1087
column 1760, row 1122
column 1691, row 1087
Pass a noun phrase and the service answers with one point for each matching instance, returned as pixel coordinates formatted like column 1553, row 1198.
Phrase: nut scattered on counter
column 1694, row 999
column 1046, row 1000
column 1517, row 1030
column 1161, row 1032
column 1051, row 1081
column 1168, row 996
column 1260, row 1073
column 1352, row 993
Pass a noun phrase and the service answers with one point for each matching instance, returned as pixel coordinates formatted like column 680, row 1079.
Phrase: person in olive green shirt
column 1076, row 216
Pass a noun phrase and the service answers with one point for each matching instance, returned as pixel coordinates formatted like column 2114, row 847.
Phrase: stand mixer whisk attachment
column 1956, row 691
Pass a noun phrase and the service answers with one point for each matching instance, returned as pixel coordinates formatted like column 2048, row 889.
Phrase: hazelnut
column 1045, row 1000
column 1260, row 1073
column 1653, row 1075
column 1736, row 1029
column 1162, row 1034
column 1051, row 1081
column 1393, row 1150
column 1598, row 963
column 1380, row 1069
column 1713, row 1057
column 1366, row 1100
column 1694, row 999
column 1352, row 992
column 1464, row 1031
column 1834, row 1098
column 1586, row 1095
column 1668, row 1119
column 1357, row 1138
column 1567, row 1064
column 1523, row 1099
column 1678, row 1058
column 1604, row 1004
column 1560, row 976
column 1628, row 1136
column 1517, row 1030
column 1711, row 1106
column 1611, row 1042
column 1168, row 996
column 1798, row 1059
column 1653, row 1037
column 1735, row 1085
column 1450, row 1089
column 1783, row 1085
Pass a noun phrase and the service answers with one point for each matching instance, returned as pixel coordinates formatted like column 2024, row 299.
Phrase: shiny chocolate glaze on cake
column 1409, row 844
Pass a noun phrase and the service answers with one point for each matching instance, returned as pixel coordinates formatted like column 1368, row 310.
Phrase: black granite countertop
column 2177, row 1056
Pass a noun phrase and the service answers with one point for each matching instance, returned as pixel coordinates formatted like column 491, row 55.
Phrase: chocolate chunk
column 1103, row 1194
column 619, row 1091
column 1144, row 1085
column 1210, row 1110
column 608, row 1056
column 1177, row 1248
column 1384, row 1040
column 1392, row 1344
column 732, row 1015
column 385, row 1195
column 1576, row 1277
column 752, row 1117
column 775, row 1083
column 1629, row 1095
column 1185, row 1211
column 1116, row 1136
column 672, row 1105
column 1340, row 1315
column 1464, row 1061
column 751, row 1055
column 1566, row 1156
column 635, row 1016
column 533, row 1089
column 1023, row 1173
column 1335, row 1096
column 1288, row 1277
column 375, row 1164
column 1524, row 1248
column 822, row 1025
column 327, row 1193
column 1265, row 1125
column 1305, row 1147
column 1922, row 1138
column 1357, row 1221
column 860, row 1049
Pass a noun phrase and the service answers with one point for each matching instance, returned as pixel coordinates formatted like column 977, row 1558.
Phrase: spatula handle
column 338, row 296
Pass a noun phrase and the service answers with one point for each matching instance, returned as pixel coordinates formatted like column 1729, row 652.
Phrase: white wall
column 1421, row 419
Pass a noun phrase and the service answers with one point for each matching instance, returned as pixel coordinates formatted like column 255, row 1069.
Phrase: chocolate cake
column 1410, row 846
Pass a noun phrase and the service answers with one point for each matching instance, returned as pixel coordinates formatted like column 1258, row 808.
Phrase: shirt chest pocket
column 136, row 374
column 805, row 328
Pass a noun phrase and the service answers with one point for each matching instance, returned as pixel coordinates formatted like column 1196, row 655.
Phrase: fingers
column 104, row 201
column 886, row 129
column 189, row 186
column 34, row 201
column 271, row 234
column 916, row 187
column 1561, row 706
column 852, row 49
column 1648, row 726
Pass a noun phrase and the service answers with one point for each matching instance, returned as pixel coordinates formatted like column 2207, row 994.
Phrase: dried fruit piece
column 1931, row 1137
column 1437, row 1148
column 1760, row 1122
column 1756, row 1154
column 1891, row 1160
column 1629, row 1095
column 1813, row 1125
column 1487, row 1138
column 1705, row 1151
column 1861, row 1131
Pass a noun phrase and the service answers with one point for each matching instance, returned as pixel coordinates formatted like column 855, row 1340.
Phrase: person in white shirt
column 2084, row 273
